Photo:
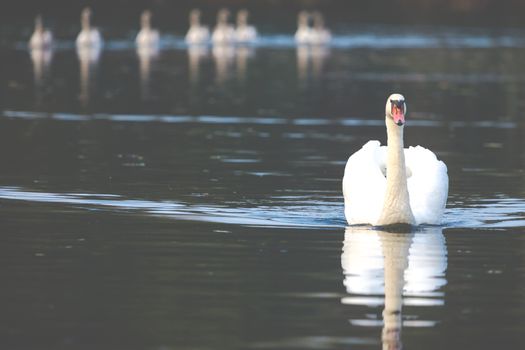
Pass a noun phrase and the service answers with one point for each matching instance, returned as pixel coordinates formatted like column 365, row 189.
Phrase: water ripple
column 291, row 211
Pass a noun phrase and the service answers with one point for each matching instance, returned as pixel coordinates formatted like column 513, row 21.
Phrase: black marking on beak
column 398, row 103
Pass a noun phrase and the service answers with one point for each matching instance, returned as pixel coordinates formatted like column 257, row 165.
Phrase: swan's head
column 85, row 17
column 396, row 108
column 302, row 18
column 222, row 16
column 195, row 17
column 242, row 17
column 145, row 19
column 318, row 19
column 39, row 23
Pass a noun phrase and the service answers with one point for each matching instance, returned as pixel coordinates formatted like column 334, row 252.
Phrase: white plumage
column 41, row 38
column 365, row 185
column 197, row 34
column 88, row 36
column 244, row 33
column 147, row 37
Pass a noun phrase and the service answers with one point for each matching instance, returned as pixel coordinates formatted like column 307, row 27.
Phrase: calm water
column 191, row 199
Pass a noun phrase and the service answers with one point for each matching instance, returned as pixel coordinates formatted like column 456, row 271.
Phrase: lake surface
column 191, row 198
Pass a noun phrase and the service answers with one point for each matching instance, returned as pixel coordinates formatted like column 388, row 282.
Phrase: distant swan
column 224, row 33
column 88, row 36
column 197, row 34
column 415, row 189
column 320, row 35
column 41, row 38
column 244, row 33
column 147, row 36
column 303, row 35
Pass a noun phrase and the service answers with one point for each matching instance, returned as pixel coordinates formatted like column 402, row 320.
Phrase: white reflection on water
column 146, row 54
column 41, row 58
column 224, row 56
column 196, row 54
column 394, row 269
column 88, row 57
column 310, row 61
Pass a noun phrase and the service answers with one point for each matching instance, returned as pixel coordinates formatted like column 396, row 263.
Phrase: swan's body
column 304, row 33
column 197, row 34
column 224, row 33
column 320, row 35
column 147, row 36
column 244, row 33
column 88, row 36
column 393, row 185
column 41, row 38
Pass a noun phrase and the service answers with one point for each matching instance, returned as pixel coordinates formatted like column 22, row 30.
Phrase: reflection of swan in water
column 405, row 268
column 224, row 56
column 243, row 54
column 41, row 58
column 196, row 54
column 147, row 55
column 88, row 58
column 310, row 61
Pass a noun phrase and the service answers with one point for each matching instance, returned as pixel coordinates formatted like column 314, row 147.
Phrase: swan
column 88, row 36
column 320, row 35
column 415, row 189
column 197, row 34
column 303, row 35
column 42, row 38
column 147, row 37
column 224, row 33
column 244, row 33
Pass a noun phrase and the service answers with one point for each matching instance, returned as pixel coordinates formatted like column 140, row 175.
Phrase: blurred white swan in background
column 224, row 33
column 386, row 185
column 303, row 35
column 244, row 33
column 197, row 33
column 88, row 36
column 147, row 36
column 394, row 269
column 319, row 34
column 41, row 38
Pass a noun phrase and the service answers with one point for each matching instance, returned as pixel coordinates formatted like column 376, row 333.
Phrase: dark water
column 192, row 199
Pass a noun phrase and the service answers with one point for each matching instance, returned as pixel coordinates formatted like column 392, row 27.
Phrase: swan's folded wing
column 364, row 184
column 427, row 185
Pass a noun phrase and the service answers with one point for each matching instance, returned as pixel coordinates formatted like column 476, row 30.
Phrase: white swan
column 303, row 35
column 244, row 33
column 224, row 33
column 320, row 35
column 197, row 34
column 415, row 189
column 147, row 36
column 88, row 36
column 42, row 38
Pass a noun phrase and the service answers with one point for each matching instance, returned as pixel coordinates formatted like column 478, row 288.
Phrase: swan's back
column 364, row 184
column 147, row 37
column 89, row 38
column 197, row 34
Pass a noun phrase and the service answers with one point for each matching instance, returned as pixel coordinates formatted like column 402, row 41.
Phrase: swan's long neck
column 86, row 21
column 396, row 205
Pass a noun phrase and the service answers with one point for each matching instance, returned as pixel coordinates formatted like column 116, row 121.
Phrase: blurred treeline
column 269, row 15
